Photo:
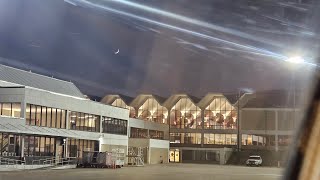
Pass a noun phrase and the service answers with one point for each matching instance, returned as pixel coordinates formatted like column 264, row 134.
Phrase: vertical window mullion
column 40, row 115
column 11, row 112
column 1, row 143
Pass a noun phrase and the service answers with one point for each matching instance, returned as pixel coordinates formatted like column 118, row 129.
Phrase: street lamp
column 294, row 61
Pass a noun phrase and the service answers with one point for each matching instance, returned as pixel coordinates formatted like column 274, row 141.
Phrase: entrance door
column 175, row 156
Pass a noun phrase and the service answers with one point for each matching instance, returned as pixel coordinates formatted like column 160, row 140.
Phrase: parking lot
column 157, row 172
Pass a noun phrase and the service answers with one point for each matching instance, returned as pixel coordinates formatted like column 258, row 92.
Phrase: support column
column 202, row 127
column 23, row 111
column 276, row 135
column 101, row 123
column 66, row 154
column 149, row 155
column 22, row 137
column 239, row 134
column 67, row 120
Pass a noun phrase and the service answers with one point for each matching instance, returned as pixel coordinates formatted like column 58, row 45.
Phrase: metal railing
column 12, row 162
column 55, row 161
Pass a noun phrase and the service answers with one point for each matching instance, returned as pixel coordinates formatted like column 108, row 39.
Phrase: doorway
column 175, row 155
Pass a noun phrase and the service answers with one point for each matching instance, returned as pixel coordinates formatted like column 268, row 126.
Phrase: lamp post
column 238, row 121
column 294, row 61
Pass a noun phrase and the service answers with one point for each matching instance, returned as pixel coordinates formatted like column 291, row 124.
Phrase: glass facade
column 39, row 146
column 77, row 146
column 258, row 140
column 220, row 114
column 220, row 139
column 120, row 103
column 185, row 115
column 114, row 126
column 152, row 111
column 138, row 133
column 200, row 156
column 9, row 144
column 84, row 122
column 285, row 140
column 10, row 109
column 45, row 116
column 185, row 138
column 156, row 134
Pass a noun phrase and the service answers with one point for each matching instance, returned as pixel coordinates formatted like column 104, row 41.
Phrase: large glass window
column 9, row 145
column 185, row 138
column 185, row 115
column 49, row 117
column 39, row 146
column 33, row 115
column 6, row 109
column 77, row 146
column 256, row 140
column 16, row 110
column 138, row 133
column 28, row 113
column 114, row 126
column 151, row 110
column 58, row 118
column 120, row 103
column 38, row 115
column 45, row 116
column 284, row 140
column 63, row 119
column 54, row 117
column 84, row 122
column 220, row 114
column 132, row 112
column 156, row 134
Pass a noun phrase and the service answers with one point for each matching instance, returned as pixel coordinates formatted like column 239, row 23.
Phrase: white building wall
column 12, row 94
column 50, row 99
column 45, row 98
column 156, row 143
column 138, row 123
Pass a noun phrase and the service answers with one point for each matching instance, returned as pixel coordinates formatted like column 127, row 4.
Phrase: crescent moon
column 117, row 52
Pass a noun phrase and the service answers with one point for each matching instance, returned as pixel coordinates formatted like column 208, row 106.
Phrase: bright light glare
column 296, row 60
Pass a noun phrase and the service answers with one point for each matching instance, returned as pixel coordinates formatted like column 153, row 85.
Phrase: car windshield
column 170, row 83
column 254, row 158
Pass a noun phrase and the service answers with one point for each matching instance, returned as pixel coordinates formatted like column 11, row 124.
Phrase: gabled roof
column 206, row 100
column 109, row 99
column 140, row 99
column 25, row 78
column 172, row 100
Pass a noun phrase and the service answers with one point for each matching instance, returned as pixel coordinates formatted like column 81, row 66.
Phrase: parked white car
column 254, row 161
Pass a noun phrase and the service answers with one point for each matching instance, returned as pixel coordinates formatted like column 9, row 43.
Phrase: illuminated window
column 185, row 115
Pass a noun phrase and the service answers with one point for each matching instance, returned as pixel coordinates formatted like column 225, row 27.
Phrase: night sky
column 165, row 47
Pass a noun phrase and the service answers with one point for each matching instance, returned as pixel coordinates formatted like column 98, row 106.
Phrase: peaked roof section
column 109, row 99
column 206, row 100
column 173, row 99
column 141, row 98
column 38, row 81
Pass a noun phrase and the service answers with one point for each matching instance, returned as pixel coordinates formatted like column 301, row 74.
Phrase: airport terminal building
column 46, row 117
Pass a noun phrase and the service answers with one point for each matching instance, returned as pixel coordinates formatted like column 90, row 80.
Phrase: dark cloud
column 77, row 43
